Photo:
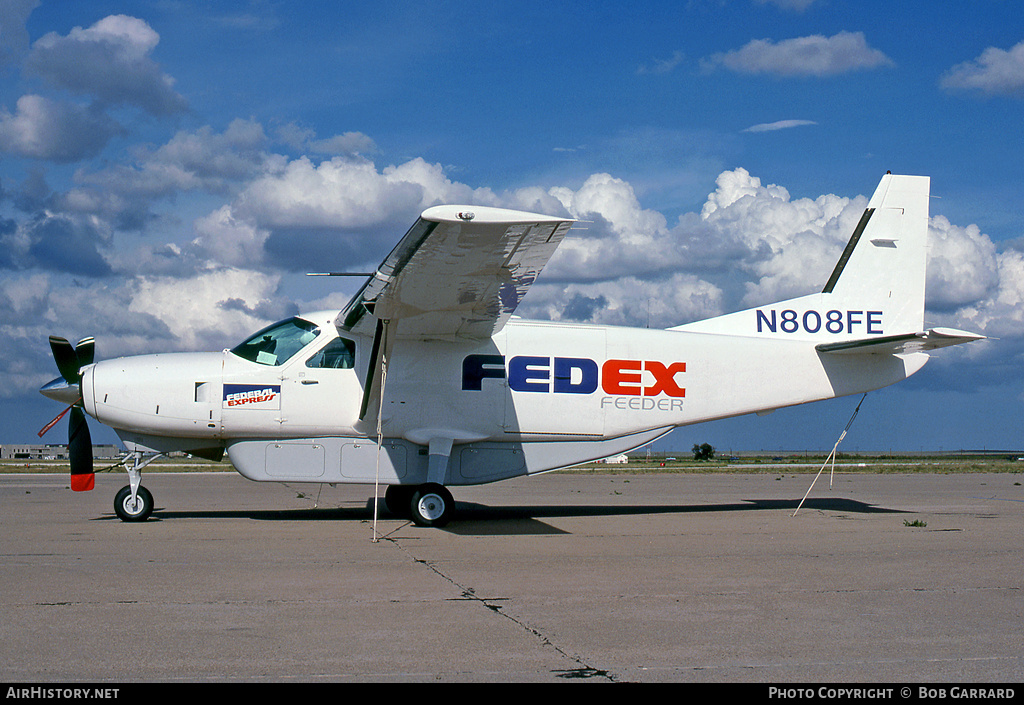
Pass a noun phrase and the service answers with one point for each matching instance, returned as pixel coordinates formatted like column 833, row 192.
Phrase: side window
column 339, row 354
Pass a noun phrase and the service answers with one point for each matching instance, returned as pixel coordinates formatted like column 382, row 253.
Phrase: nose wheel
column 129, row 509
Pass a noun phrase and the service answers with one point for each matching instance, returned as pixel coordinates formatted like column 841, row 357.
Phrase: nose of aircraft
column 61, row 390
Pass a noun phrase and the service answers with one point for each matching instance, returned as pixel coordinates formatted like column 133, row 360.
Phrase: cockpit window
column 276, row 344
column 339, row 354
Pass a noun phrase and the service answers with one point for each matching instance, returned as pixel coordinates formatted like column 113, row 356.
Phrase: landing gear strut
column 133, row 502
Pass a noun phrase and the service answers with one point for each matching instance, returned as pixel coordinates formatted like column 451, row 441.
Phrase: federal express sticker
column 252, row 396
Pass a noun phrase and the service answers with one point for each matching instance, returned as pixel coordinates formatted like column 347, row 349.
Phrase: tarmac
column 644, row 578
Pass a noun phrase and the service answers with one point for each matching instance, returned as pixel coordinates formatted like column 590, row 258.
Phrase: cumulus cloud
column 210, row 309
column 346, row 144
column 45, row 129
column 108, row 63
column 344, row 210
column 644, row 270
column 815, row 55
column 615, row 202
column 345, row 193
column 36, row 305
column 142, row 314
column 616, row 235
column 789, row 246
column 962, row 265
column 995, row 72
column 13, row 34
column 109, row 60
column 58, row 242
column 200, row 160
column 221, row 237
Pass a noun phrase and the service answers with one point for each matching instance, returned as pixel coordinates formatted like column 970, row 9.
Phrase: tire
column 431, row 505
column 123, row 504
column 397, row 499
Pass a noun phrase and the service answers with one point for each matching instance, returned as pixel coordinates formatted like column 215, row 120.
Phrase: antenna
column 339, row 274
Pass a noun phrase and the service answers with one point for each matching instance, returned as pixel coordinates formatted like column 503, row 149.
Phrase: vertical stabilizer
column 884, row 262
column 876, row 288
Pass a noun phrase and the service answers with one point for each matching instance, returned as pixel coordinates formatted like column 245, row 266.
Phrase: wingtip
column 486, row 215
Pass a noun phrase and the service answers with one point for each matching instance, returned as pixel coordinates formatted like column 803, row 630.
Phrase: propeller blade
column 70, row 361
column 86, row 351
column 80, row 452
column 66, row 358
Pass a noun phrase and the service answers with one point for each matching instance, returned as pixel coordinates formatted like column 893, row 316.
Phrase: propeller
column 68, row 389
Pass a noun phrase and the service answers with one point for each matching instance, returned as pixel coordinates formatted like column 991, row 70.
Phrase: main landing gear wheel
column 397, row 498
column 431, row 505
column 127, row 510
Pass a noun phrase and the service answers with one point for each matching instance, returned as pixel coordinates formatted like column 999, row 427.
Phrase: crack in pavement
column 583, row 670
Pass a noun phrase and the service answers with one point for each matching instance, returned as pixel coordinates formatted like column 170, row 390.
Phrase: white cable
column 832, row 455
column 380, row 426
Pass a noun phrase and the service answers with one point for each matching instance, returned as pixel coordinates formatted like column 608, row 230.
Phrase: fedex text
column 574, row 375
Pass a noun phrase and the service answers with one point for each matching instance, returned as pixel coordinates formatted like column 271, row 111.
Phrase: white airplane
column 426, row 380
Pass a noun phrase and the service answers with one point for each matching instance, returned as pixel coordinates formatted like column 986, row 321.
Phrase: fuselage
column 534, row 382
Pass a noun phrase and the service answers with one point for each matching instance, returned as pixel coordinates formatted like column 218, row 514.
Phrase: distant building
column 54, row 451
column 616, row 460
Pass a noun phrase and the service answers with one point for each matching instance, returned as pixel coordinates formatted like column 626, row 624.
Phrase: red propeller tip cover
column 83, row 482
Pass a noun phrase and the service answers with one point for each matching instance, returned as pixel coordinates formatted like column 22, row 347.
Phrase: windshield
column 276, row 344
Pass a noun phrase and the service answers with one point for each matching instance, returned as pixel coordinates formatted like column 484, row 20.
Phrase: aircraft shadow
column 480, row 519
column 475, row 519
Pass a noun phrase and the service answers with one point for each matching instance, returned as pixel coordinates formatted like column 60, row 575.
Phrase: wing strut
column 376, row 353
column 832, row 455
column 381, row 338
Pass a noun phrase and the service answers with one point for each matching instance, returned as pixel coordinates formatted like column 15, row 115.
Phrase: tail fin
column 883, row 265
column 876, row 289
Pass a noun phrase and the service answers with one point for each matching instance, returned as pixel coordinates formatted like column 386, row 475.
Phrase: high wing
column 459, row 273
column 901, row 344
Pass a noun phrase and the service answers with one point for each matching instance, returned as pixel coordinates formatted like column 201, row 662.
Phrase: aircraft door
column 320, row 395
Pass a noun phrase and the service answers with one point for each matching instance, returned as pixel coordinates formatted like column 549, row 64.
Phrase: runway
column 564, row 577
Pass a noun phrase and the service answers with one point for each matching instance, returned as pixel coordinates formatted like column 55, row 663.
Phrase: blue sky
column 170, row 169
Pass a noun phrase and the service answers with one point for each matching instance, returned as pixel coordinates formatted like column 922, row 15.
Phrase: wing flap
column 900, row 344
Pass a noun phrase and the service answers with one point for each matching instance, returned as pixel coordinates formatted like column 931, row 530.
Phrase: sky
column 171, row 169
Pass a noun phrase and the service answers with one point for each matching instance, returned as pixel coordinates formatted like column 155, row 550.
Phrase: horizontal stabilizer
column 901, row 344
